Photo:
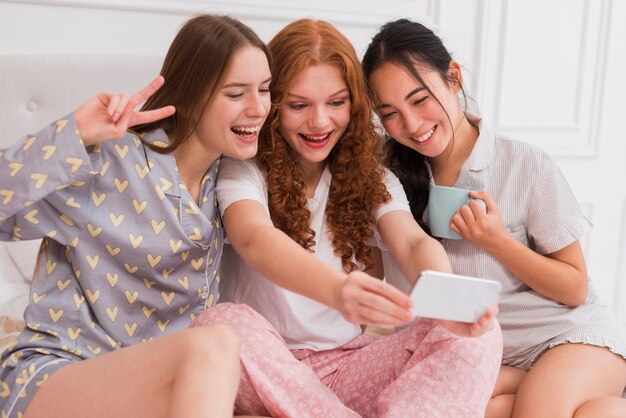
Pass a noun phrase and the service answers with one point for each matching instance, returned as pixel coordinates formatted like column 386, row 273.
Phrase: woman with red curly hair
column 307, row 218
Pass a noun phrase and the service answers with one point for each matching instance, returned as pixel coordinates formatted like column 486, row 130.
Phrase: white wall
column 550, row 74
column 545, row 72
column 131, row 26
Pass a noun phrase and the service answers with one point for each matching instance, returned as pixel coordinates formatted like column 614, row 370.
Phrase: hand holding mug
column 481, row 227
column 443, row 203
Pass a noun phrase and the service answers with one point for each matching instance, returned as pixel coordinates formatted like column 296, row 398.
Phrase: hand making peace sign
column 107, row 116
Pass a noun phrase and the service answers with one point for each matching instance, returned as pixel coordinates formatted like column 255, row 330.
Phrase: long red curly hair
column 357, row 186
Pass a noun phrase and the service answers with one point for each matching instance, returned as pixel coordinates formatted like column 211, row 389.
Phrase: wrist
column 80, row 124
column 500, row 244
column 336, row 288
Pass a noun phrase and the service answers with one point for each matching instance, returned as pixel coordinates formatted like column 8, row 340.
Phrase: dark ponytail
column 411, row 169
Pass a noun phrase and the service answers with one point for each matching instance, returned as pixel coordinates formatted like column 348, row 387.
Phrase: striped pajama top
column 538, row 209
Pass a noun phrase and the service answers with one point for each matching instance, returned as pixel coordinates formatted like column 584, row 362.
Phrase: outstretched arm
column 359, row 297
column 416, row 251
column 561, row 275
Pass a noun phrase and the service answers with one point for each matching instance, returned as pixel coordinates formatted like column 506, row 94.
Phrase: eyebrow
column 244, row 84
column 407, row 97
column 334, row 94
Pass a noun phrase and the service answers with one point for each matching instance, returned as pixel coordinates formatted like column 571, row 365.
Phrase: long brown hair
column 195, row 64
column 357, row 187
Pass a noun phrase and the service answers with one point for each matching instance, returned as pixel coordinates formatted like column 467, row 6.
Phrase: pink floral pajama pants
column 421, row 371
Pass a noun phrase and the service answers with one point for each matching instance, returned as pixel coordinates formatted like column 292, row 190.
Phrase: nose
column 319, row 118
column 257, row 106
column 412, row 122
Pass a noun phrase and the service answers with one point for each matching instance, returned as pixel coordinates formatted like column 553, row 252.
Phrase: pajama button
column 204, row 295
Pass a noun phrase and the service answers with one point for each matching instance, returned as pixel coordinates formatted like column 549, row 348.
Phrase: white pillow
column 17, row 263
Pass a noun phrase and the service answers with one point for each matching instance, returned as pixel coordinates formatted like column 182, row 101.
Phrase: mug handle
column 482, row 203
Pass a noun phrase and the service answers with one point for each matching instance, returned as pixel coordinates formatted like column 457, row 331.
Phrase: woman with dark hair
column 132, row 238
column 307, row 218
column 553, row 325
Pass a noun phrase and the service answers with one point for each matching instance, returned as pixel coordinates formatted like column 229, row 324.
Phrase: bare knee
column 606, row 407
column 210, row 346
column 503, row 398
column 508, row 380
column 222, row 337
column 500, row 406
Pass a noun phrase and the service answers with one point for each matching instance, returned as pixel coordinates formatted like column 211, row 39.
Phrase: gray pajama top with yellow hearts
column 127, row 254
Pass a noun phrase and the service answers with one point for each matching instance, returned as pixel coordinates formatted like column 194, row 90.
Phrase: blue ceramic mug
column 443, row 203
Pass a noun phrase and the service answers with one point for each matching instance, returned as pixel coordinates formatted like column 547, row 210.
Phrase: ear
column 456, row 75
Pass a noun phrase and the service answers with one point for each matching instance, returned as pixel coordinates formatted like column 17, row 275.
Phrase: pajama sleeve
column 398, row 201
column 45, row 183
column 240, row 180
column 555, row 219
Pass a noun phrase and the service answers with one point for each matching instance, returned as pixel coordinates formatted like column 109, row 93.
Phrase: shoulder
column 398, row 199
column 513, row 145
column 240, row 180
column 233, row 169
column 519, row 155
column 503, row 148
column 389, row 177
column 238, row 175
column 526, row 168
column 392, row 183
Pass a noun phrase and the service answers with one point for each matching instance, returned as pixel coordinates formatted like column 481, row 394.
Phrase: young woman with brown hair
column 132, row 238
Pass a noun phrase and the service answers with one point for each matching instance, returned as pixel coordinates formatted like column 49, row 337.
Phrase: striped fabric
column 538, row 209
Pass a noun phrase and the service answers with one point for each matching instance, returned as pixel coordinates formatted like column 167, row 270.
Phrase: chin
column 244, row 154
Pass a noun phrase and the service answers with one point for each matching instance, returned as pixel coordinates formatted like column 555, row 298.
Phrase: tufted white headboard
column 35, row 90
column 39, row 88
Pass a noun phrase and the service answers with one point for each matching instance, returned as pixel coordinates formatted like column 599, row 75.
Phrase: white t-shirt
column 302, row 322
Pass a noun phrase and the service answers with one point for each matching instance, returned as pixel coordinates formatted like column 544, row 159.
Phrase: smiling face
column 231, row 121
column 411, row 114
column 315, row 113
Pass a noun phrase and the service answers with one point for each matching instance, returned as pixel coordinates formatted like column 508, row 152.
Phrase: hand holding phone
column 453, row 297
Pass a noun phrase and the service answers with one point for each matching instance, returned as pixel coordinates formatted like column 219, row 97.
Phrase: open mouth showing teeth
column 245, row 131
column 316, row 138
column 426, row 136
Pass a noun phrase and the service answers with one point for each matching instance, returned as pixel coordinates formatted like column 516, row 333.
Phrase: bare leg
column 191, row 373
column 503, row 398
column 607, row 407
column 568, row 377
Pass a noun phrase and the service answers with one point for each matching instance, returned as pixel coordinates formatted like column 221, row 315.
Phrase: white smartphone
column 452, row 296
